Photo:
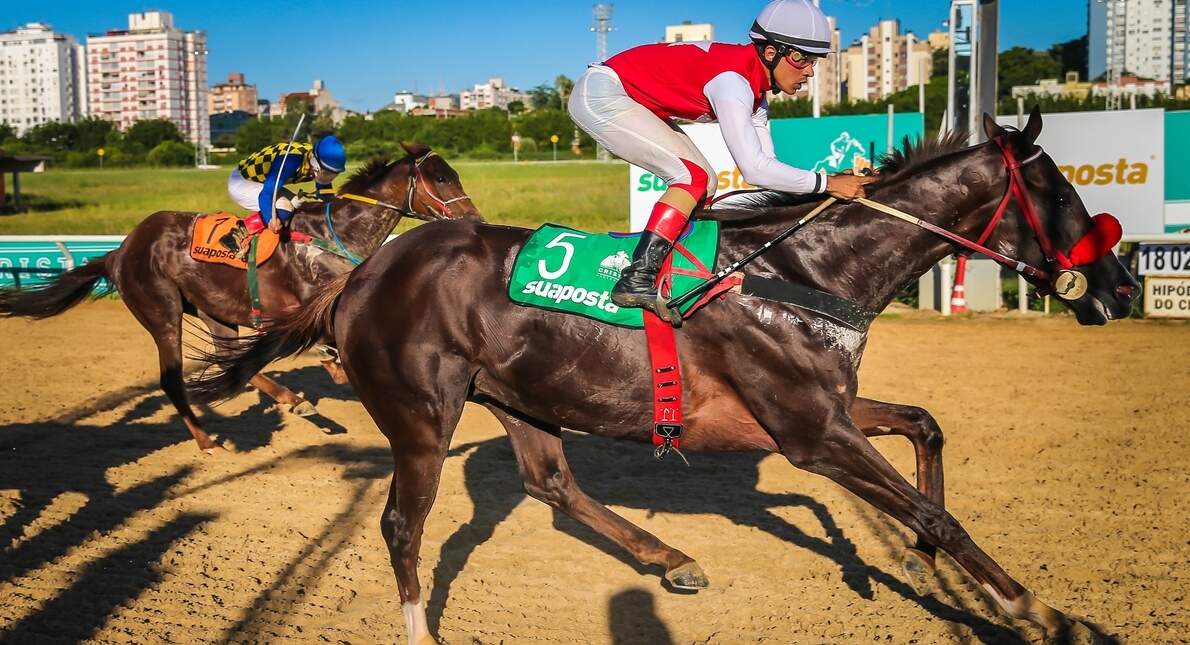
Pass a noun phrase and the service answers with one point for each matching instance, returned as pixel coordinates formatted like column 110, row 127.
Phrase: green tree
column 1024, row 66
column 1072, row 56
column 253, row 135
column 93, row 133
column 516, row 107
column 7, row 133
column 171, row 153
column 151, row 132
column 55, row 136
column 545, row 97
column 563, row 86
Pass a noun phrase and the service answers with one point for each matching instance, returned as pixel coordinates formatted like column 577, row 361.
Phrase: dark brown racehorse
column 425, row 325
column 159, row 281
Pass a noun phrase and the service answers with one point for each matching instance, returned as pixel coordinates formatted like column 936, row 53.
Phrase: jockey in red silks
column 628, row 104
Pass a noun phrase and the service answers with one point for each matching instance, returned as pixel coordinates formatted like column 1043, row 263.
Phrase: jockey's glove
column 284, row 208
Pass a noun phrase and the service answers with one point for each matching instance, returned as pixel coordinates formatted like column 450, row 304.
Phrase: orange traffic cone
column 958, row 298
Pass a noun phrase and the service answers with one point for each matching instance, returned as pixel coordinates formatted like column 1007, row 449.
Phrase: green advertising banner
column 27, row 261
column 834, row 143
column 1177, row 172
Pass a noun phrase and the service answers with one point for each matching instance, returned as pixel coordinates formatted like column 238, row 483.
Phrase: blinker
column 1104, row 235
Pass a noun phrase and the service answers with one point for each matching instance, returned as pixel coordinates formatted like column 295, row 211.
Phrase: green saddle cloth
column 572, row 271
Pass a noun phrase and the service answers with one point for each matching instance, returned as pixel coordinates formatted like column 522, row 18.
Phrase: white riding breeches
column 600, row 106
column 246, row 193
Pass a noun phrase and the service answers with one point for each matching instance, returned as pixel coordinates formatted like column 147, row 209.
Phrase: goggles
column 800, row 59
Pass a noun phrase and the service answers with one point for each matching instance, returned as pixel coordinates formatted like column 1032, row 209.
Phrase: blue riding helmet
column 330, row 154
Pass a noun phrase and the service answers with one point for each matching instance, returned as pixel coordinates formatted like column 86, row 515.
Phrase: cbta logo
column 1122, row 172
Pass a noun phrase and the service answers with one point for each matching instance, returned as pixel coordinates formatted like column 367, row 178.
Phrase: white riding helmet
column 793, row 23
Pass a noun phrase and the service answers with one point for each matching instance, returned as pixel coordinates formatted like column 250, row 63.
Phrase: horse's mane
column 913, row 154
column 368, row 173
column 894, row 165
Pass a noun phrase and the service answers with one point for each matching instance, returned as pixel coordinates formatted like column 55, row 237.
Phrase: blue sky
column 367, row 49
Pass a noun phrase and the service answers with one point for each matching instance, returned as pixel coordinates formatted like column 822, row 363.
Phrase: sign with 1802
column 1163, row 259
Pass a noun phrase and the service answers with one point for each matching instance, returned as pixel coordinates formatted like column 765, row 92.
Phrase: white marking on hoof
column 304, row 409
column 415, row 623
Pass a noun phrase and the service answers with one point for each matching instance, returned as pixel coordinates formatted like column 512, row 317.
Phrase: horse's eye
column 442, row 180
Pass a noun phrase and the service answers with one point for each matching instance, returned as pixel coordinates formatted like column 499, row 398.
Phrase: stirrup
column 659, row 305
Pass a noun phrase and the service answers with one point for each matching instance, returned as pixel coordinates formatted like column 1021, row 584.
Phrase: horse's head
column 1060, row 237
column 434, row 190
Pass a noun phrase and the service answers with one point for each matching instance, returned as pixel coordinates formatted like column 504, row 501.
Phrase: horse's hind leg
column 547, row 477
column 418, row 421
column 835, row 448
column 878, row 419
column 157, row 305
column 329, row 357
column 268, row 386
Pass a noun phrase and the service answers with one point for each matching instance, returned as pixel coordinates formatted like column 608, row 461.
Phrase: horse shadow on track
column 624, row 474
column 59, row 472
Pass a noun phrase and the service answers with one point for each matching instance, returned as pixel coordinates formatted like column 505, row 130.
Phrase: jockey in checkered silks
column 252, row 184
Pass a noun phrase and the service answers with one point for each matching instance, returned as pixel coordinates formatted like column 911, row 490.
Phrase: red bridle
column 1059, row 272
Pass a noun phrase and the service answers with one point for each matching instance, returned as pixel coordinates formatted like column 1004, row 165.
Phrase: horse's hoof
column 688, row 576
column 919, row 571
column 304, row 409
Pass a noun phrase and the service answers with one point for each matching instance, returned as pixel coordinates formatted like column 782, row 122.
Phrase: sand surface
column 1067, row 459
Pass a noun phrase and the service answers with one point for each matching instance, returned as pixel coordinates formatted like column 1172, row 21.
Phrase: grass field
column 588, row 195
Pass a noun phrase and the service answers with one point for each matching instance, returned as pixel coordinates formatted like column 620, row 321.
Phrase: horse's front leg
column 879, row 419
column 820, row 437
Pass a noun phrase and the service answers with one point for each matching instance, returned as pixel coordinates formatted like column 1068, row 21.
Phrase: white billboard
column 645, row 187
column 1115, row 160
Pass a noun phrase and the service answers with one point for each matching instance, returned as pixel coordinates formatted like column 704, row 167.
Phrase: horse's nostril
column 1126, row 291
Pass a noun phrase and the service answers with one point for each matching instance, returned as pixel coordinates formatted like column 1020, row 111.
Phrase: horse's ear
column 990, row 127
column 416, row 150
column 1033, row 127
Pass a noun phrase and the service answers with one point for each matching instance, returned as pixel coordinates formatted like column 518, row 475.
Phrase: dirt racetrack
column 1066, row 458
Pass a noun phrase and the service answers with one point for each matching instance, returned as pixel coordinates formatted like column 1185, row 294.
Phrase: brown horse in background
column 426, row 325
column 159, row 281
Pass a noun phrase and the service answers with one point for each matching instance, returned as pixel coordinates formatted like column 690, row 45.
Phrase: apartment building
column 492, row 94
column 234, row 95
column 689, row 32
column 41, row 77
column 151, row 70
column 884, row 61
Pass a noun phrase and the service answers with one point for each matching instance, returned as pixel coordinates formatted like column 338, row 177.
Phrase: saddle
column 205, row 245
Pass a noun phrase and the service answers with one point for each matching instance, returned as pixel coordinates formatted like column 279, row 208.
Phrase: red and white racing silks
column 626, row 105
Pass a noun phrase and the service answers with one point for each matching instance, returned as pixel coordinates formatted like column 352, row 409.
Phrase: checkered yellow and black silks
column 256, row 166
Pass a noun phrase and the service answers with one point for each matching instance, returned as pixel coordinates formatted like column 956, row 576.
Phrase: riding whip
column 709, row 283
column 284, row 157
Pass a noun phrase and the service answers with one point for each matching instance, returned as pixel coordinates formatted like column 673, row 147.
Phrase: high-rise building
column 689, row 32
column 829, row 72
column 1140, row 37
column 884, row 61
column 1181, row 42
column 40, row 79
column 491, row 94
column 151, row 70
column 232, row 96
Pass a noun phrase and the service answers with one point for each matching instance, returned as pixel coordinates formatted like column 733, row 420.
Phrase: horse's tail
column 237, row 360
column 71, row 288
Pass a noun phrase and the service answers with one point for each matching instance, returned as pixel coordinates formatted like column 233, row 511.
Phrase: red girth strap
column 666, row 382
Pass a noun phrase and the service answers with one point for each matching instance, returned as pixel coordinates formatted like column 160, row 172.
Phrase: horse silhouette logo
column 846, row 153
column 612, row 265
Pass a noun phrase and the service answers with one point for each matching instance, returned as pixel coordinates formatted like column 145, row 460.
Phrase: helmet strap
column 782, row 50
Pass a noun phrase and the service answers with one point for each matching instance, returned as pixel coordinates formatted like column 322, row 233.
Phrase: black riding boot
column 637, row 286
